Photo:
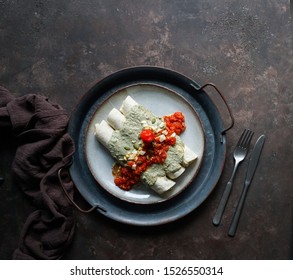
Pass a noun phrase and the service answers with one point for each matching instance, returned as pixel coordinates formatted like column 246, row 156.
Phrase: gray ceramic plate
column 161, row 101
column 212, row 161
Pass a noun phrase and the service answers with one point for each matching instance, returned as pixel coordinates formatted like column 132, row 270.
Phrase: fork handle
column 236, row 216
column 222, row 204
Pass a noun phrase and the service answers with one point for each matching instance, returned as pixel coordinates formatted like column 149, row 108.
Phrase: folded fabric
column 43, row 147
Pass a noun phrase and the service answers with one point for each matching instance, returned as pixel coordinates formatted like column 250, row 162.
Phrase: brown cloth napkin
column 43, row 147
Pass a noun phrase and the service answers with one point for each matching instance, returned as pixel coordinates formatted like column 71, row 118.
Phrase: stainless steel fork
column 239, row 155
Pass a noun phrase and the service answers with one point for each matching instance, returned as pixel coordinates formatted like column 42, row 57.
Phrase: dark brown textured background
column 59, row 48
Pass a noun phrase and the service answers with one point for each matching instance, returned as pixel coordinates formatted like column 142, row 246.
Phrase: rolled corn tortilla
column 116, row 119
column 103, row 132
column 189, row 156
column 162, row 185
column 176, row 174
column 127, row 105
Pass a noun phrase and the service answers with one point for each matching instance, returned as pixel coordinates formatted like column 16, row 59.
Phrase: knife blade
column 254, row 159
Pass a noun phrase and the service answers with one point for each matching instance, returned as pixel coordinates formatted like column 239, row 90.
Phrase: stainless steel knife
column 249, row 175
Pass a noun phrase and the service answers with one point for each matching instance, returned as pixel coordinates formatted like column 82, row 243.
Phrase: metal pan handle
column 226, row 104
column 71, row 199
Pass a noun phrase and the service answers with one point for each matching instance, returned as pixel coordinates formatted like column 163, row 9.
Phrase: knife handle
column 222, row 204
column 236, row 216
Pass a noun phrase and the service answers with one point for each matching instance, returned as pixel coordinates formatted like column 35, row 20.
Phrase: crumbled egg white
column 155, row 124
column 162, row 137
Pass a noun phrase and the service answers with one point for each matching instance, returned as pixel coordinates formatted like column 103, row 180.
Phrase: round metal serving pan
column 213, row 158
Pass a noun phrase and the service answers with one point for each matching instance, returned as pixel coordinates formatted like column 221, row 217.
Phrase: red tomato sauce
column 154, row 150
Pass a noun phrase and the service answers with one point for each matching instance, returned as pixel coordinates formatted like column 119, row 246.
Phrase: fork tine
column 248, row 139
column 243, row 138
